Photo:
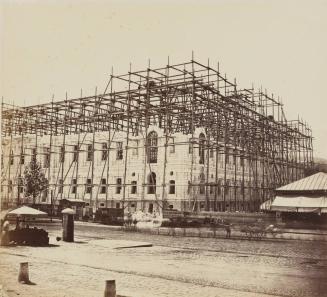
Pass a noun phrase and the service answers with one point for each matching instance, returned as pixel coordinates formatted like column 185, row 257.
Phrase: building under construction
column 179, row 137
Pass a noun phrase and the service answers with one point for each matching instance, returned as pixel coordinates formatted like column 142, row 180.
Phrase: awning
column 27, row 211
column 300, row 204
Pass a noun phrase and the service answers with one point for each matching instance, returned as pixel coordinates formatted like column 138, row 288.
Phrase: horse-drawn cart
column 257, row 231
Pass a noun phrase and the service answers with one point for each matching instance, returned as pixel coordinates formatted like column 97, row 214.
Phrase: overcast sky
column 54, row 47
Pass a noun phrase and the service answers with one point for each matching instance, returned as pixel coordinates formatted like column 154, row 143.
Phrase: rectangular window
column 135, row 148
column 134, row 187
column 47, row 158
column 61, row 186
column 202, row 189
column 104, row 151
column 190, row 146
column 11, row 158
column 88, row 186
column 44, row 196
column 74, row 186
column 172, row 146
column 242, row 161
column 211, row 152
column 118, row 187
column 75, row 153
column 62, row 154
column 20, row 185
column 119, row 150
column 212, row 189
column 103, row 189
column 9, row 186
column 89, row 156
column 34, row 153
column 22, row 159
column 172, row 187
column 117, row 205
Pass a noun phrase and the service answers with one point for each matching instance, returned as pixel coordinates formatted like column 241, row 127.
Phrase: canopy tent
column 25, row 211
column 300, row 204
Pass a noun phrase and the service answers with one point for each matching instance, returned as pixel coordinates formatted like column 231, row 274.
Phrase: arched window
column 202, row 140
column 152, row 147
column 152, row 181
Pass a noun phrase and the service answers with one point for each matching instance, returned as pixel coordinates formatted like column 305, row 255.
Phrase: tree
column 35, row 181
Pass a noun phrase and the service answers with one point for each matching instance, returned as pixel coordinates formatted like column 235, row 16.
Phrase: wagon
column 257, row 231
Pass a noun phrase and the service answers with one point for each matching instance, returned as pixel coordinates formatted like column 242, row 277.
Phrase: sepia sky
column 54, row 47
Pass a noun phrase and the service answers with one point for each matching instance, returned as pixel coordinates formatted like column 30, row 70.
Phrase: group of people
column 5, row 230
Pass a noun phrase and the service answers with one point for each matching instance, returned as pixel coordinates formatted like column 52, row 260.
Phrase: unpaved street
column 173, row 266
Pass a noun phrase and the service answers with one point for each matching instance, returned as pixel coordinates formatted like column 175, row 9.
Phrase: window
column 11, row 158
column 190, row 146
column 202, row 186
column 242, row 161
column 201, row 148
column 117, row 205
column 74, row 186
column 189, row 187
column 20, row 185
column 219, row 186
column 119, row 146
column 44, row 195
column 102, row 204
column 212, row 189
column 75, row 153
column 118, row 187
column 152, row 147
column 104, row 151
column 62, row 154
column 227, row 187
column 88, row 186
column 211, row 152
column 171, row 187
column 172, row 146
column 227, row 158
column 34, row 153
column 61, row 186
column 103, row 189
column 135, row 151
column 89, row 156
column 9, row 186
column 22, row 159
column 152, row 180
column 134, row 187
column 47, row 158
column 150, row 208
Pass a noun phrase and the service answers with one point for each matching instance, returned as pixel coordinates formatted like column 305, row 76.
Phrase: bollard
column 23, row 273
column 68, row 225
column 110, row 289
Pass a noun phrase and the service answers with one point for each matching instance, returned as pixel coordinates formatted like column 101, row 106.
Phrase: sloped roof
column 316, row 182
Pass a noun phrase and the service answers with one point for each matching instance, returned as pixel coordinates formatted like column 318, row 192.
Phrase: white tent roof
column 300, row 204
column 27, row 211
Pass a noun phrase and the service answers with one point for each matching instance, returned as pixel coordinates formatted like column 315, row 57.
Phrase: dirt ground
column 173, row 266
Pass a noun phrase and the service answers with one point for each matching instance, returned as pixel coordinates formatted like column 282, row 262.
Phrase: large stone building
column 190, row 148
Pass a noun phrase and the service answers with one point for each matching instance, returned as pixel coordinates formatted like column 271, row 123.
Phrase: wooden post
column 23, row 273
column 110, row 289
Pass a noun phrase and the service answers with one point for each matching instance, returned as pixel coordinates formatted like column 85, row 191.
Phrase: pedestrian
column 5, row 233
column 228, row 230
